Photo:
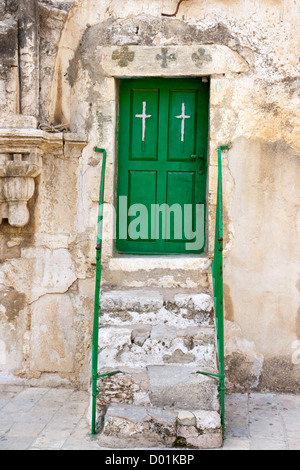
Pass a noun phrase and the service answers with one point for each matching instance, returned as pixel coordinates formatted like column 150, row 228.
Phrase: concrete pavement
column 56, row 419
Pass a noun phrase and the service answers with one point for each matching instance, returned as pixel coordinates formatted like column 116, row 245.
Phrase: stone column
column 29, row 58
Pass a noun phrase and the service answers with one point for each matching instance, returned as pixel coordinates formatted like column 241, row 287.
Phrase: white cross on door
column 182, row 116
column 143, row 116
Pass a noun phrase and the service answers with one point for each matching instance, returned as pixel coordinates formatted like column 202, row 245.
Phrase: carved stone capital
column 17, row 173
column 21, row 161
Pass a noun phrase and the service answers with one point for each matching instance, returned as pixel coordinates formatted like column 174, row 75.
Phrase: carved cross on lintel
column 165, row 57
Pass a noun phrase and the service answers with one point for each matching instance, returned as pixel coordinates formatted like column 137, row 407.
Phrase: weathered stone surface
column 241, row 352
column 157, row 272
column 151, row 307
column 186, row 418
column 82, row 51
column 131, row 385
column 208, row 420
column 29, row 58
column 126, row 387
column 9, row 41
column 141, row 426
column 140, row 334
column 17, row 173
column 204, row 431
column 131, row 300
column 159, row 345
column 189, row 436
column 197, row 302
column 163, row 332
column 180, row 386
column 41, row 271
column 153, row 346
column 18, row 121
column 9, row 86
column 203, row 60
column 197, row 306
column 52, row 334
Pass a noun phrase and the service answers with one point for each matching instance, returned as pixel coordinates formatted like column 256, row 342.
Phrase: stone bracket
column 17, row 173
column 21, row 161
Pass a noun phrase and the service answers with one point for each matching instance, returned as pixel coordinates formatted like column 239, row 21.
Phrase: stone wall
column 249, row 51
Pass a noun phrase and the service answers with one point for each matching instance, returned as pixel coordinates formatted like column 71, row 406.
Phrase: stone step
column 158, row 340
column 131, row 426
column 178, row 386
column 144, row 345
column 157, row 272
column 134, row 306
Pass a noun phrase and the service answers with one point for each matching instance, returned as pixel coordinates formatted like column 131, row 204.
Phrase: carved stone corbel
column 21, row 160
column 17, row 174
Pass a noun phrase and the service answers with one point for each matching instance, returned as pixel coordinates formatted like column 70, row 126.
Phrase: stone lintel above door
column 176, row 61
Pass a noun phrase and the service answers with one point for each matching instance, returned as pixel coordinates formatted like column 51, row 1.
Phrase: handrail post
column 95, row 345
column 97, row 293
column 218, row 274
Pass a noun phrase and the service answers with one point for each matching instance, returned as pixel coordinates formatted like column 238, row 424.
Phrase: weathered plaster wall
column 47, row 273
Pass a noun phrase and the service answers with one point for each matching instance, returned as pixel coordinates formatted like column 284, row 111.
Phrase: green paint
column 123, row 56
column 217, row 273
column 164, row 57
column 201, row 58
column 95, row 341
column 163, row 131
column 101, row 120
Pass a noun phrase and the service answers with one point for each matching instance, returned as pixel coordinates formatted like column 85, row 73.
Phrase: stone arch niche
column 105, row 50
column 213, row 62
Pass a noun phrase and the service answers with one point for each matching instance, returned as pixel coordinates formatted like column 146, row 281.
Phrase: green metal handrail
column 217, row 275
column 95, row 345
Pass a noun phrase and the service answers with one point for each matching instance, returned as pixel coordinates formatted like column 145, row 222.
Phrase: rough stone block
column 186, row 418
column 131, row 300
column 189, row 436
column 162, row 332
column 180, row 386
column 194, row 306
column 150, row 426
column 204, row 431
column 18, row 121
column 140, row 334
column 140, row 346
column 207, row 420
column 151, row 307
column 130, row 386
column 198, row 302
column 143, row 424
column 205, row 60
column 53, row 335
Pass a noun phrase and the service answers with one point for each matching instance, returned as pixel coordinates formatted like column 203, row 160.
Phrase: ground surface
column 56, row 419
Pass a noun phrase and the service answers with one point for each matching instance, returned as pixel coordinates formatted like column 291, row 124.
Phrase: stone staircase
column 158, row 340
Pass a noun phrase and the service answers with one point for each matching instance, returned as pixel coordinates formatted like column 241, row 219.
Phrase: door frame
column 166, row 87
column 216, row 63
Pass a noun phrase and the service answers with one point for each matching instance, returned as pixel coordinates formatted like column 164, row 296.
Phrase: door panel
column 162, row 147
column 182, row 128
column 142, row 191
column 144, row 125
column 180, row 192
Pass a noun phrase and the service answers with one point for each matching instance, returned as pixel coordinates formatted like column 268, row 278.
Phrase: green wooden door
column 162, row 150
